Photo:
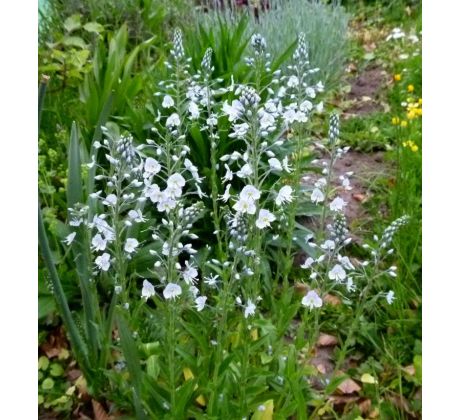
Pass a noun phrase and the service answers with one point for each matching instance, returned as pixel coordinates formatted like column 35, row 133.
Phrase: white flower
column 69, row 238
column 320, row 107
column 212, row 121
column 234, row 110
column 175, row 183
column 165, row 250
column 312, row 300
column 147, row 289
column 350, row 285
column 396, row 33
column 306, row 106
column 345, row 182
column 194, row 111
column 301, row 116
column 211, row 281
column 310, row 92
column 166, row 203
column 98, row 243
column 245, row 206
column 76, row 222
column 267, row 121
column 250, row 309
column 228, row 174
column 293, row 81
column 193, row 291
column 250, row 192
column 153, row 192
column 307, row 263
column 136, row 215
column 390, row 297
column 337, row 273
column 172, row 290
column 264, row 219
column 289, row 116
column 328, row 245
column 131, row 245
column 200, row 301
column 275, row 164
column 337, row 204
column 225, row 197
column 110, row 200
column 284, row 195
column 345, row 261
column 151, row 167
column 245, row 171
column 189, row 274
column 317, row 196
column 173, row 121
column 286, row 166
column 239, row 131
column 168, row 102
column 103, row 261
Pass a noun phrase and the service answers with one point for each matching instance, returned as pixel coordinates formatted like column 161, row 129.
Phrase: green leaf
column 74, row 185
column 418, row 367
column 93, row 27
column 74, row 41
column 72, row 22
column 48, row 383
column 266, row 413
column 130, row 353
column 43, row 363
column 46, row 306
column 153, row 366
column 56, row 369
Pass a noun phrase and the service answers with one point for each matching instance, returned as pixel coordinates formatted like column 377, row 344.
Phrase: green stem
column 78, row 346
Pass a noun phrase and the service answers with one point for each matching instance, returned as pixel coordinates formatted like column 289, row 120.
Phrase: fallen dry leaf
column 332, row 300
column 342, row 399
column 73, row 374
column 326, row 340
column 348, row 386
column 99, row 412
column 359, row 197
column 410, row 370
column 365, row 406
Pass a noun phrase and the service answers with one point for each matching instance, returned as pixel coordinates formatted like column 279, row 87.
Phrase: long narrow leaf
column 78, row 345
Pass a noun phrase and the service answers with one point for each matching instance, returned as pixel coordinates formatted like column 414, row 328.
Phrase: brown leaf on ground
column 410, row 370
column 55, row 343
column 349, row 386
column 326, row 340
column 99, row 412
column 342, row 399
column 359, row 197
column 365, row 406
column 401, row 402
column 332, row 300
column 73, row 374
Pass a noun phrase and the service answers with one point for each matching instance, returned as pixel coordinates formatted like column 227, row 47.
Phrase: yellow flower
column 410, row 88
column 403, row 123
column 395, row 120
column 412, row 114
column 397, row 77
column 414, row 148
column 420, row 101
column 404, row 144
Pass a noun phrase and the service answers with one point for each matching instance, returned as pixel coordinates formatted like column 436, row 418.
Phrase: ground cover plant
column 206, row 264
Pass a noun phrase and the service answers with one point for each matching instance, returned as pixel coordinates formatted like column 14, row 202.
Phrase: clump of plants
column 180, row 323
